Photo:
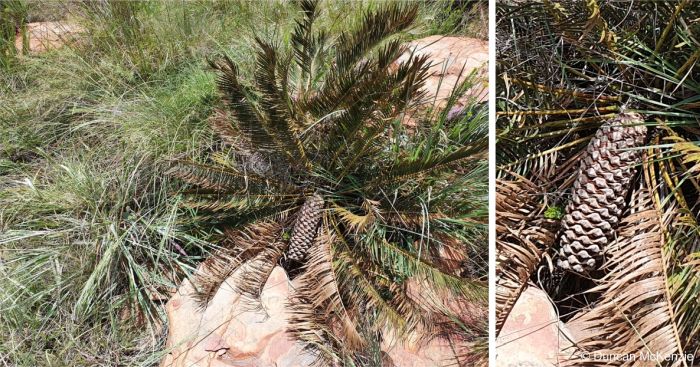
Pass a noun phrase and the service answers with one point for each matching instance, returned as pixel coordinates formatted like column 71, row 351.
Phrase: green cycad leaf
column 238, row 100
column 302, row 38
column 407, row 264
column 276, row 108
column 353, row 75
column 239, row 203
column 358, row 287
column 381, row 96
column 260, row 211
column 411, row 75
column 307, row 45
column 343, row 89
column 432, row 162
column 218, row 178
column 298, row 124
column 369, row 92
column 377, row 26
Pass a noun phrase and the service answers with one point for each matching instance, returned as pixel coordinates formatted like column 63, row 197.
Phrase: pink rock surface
column 48, row 35
column 229, row 333
column 452, row 60
column 532, row 335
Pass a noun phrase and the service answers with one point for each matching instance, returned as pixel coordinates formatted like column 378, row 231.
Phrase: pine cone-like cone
column 599, row 192
column 305, row 227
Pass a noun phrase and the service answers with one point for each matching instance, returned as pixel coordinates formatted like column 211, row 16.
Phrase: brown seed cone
column 305, row 228
column 599, row 192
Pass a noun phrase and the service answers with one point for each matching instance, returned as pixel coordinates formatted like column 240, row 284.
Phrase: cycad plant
column 597, row 192
column 382, row 229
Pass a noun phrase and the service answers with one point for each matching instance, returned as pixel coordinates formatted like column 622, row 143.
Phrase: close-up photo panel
column 270, row 183
column 597, row 183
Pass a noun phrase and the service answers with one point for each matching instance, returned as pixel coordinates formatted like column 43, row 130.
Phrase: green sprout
column 554, row 212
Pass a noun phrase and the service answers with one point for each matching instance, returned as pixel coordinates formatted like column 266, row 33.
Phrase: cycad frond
column 404, row 87
column 219, row 178
column 220, row 123
column 376, row 26
column 372, row 85
column 257, row 241
column 354, row 74
column 276, row 106
column 307, row 45
column 358, row 285
column 238, row 99
column 319, row 285
column 302, row 37
column 238, row 203
column 436, row 161
column 524, row 238
column 679, row 219
column 406, row 264
column 308, row 324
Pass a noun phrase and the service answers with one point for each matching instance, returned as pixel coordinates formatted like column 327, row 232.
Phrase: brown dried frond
column 220, row 123
column 523, row 239
column 319, row 285
column 257, row 246
column 308, row 325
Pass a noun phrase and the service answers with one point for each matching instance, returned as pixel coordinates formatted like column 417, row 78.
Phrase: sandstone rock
column 452, row 60
column 44, row 36
column 229, row 333
column 532, row 336
column 437, row 353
